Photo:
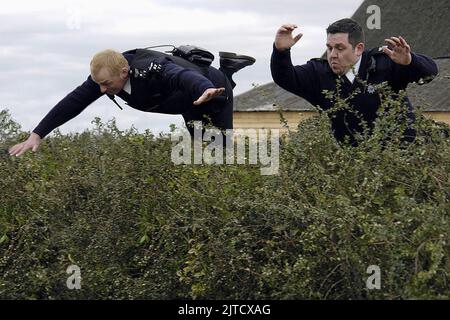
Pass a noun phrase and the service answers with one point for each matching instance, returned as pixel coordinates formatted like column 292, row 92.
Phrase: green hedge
column 140, row 227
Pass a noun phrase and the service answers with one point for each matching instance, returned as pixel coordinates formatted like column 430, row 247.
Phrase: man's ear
column 124, row 72
column 359, row 49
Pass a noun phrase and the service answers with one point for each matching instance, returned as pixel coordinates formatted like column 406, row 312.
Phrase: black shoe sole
column 232, row 55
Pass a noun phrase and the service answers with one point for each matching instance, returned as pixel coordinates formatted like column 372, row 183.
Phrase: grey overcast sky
column 46, row 46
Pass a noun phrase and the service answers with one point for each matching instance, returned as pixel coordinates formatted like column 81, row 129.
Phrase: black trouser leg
column 229, row 75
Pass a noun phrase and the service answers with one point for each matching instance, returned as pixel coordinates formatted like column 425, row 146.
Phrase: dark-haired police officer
column 346, row 55
column 153, row 82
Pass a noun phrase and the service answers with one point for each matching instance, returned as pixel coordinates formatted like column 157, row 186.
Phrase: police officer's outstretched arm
column 33, row 142
column 400, row 51
column 209, row 94
column 408, row 67
column 200, row 88
column 282, row 69
column 284, row 39
column 300, row 80
column 69, row 107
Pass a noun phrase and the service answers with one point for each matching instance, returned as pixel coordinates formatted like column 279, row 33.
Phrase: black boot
column 231, row 62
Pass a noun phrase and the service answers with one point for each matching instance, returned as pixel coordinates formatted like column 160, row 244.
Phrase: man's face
column 341, row 55
column 110, row 84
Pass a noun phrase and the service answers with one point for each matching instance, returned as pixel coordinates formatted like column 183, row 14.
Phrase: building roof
column 424, row 24
column 434, row 96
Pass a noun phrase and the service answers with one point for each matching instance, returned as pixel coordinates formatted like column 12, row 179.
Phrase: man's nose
column 334, row 53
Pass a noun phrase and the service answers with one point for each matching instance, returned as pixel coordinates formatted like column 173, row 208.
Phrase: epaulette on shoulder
column 376, row 51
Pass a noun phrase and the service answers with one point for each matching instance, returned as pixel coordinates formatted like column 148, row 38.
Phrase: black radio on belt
column 194, row 54
column 153, row 69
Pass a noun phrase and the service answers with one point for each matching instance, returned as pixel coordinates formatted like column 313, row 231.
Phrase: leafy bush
column 140, row 227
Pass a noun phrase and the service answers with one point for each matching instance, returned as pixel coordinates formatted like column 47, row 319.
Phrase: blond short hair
column 114, row 61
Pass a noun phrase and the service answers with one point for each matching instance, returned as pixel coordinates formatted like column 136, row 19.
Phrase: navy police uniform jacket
column 309, row 80
column 169, row 88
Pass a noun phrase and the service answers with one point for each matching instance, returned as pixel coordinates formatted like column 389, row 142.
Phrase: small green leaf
column 143, row 239
column 4, row 239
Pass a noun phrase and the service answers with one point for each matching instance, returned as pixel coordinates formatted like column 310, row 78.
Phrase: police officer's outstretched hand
column 209, row 94
column 33, row 142
column 284, row 39
column 399, row 51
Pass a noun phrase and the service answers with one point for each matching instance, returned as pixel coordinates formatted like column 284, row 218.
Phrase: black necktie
column 346, row 81
column 124, row 95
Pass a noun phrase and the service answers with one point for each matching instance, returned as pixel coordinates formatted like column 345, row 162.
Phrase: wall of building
column 271, row 120
column 268, row 120
column 439, row 116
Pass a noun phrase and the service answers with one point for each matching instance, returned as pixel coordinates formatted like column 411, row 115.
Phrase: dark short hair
column 350, row 26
